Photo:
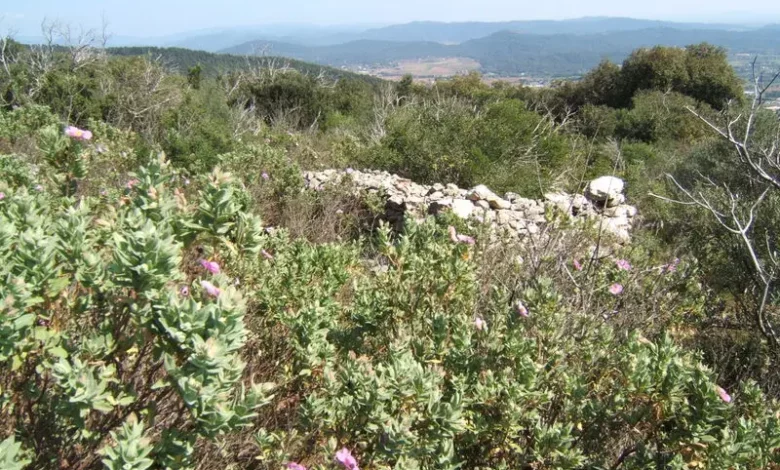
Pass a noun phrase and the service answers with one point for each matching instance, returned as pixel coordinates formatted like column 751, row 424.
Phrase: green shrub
column 99, row 323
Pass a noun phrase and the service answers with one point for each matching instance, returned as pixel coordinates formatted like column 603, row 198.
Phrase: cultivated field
column 422, row 68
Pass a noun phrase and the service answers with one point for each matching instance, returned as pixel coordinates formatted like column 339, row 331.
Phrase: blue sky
column 161, row 17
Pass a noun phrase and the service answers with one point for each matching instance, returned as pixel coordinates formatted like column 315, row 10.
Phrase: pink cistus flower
column 623, row 265
column 295, row 466
column 459, row 238
column 210, row 288
column 2, row 196
column 723, row 394
column 132, row 183
column 77, row 134
column 466, row 239
column 672, row 267
column 577, row 265
column 453, row 234
column 38, row 187
column 264, row 176
column 520, row 309
column 266, row 255
column 210, row 266
column 345, row 458
column 480, row 324
column 350, row 171
column 184, row 291
column 616, row 289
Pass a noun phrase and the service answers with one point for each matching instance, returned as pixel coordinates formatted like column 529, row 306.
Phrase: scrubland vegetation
column 172, row 297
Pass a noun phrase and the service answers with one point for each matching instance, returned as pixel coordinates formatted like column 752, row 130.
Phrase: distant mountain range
column 455, row 33
column 537, row 48
column 511, row 53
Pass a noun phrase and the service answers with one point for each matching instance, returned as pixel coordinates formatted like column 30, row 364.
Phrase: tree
column 710, row 77
column 658, row 68
column 601, row 86
column 742, row 196
column 404, row 87
column 193, row 76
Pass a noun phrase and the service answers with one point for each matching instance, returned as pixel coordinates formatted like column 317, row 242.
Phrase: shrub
column 102, row 322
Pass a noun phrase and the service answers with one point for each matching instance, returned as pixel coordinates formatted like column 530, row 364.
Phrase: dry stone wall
column 602, row 203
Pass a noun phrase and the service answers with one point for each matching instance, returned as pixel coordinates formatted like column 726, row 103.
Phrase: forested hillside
column 178, row 59
column 174, row 295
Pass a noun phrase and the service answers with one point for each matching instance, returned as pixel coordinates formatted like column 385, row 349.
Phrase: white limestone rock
column 605, row 189
column 462, row 208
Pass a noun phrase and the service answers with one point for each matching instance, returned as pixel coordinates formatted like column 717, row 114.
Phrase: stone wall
column 603, row 202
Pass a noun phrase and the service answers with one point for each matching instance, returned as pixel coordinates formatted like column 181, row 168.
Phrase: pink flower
column 453, row 234
column 616, row 289
column 295, row 466
column 623, row 265
column 345, row 458
column 520, row 309
column 265, row 176
column 38, row 187
column 267, row 255
column 670, row 268
column 77, row 134
column 723, row 395
column 350, row 171
column 480, row 324
column 132, row 183
column 2, row 196
column 184, row 291
column 210, row 288
column 210, row 266
column 458, row 238
column 577, row 265
column 466, row 239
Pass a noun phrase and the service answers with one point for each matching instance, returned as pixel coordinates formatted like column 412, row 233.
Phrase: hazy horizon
column 147, row 18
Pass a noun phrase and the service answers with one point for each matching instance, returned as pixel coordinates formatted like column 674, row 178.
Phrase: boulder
column 481, row 193
column 605, row 189
column 500, row 204
column 482, row 204
column 562, row 201
column 616, row 201
column 462, row 208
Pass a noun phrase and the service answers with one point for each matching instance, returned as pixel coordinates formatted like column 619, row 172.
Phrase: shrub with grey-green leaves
column 402, row 363
column 116, row 346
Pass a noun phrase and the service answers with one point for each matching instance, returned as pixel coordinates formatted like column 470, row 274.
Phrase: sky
column 162, row 17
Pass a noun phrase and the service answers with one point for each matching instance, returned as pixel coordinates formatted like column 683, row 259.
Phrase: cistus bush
column 114, row 345
column 162, row 325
